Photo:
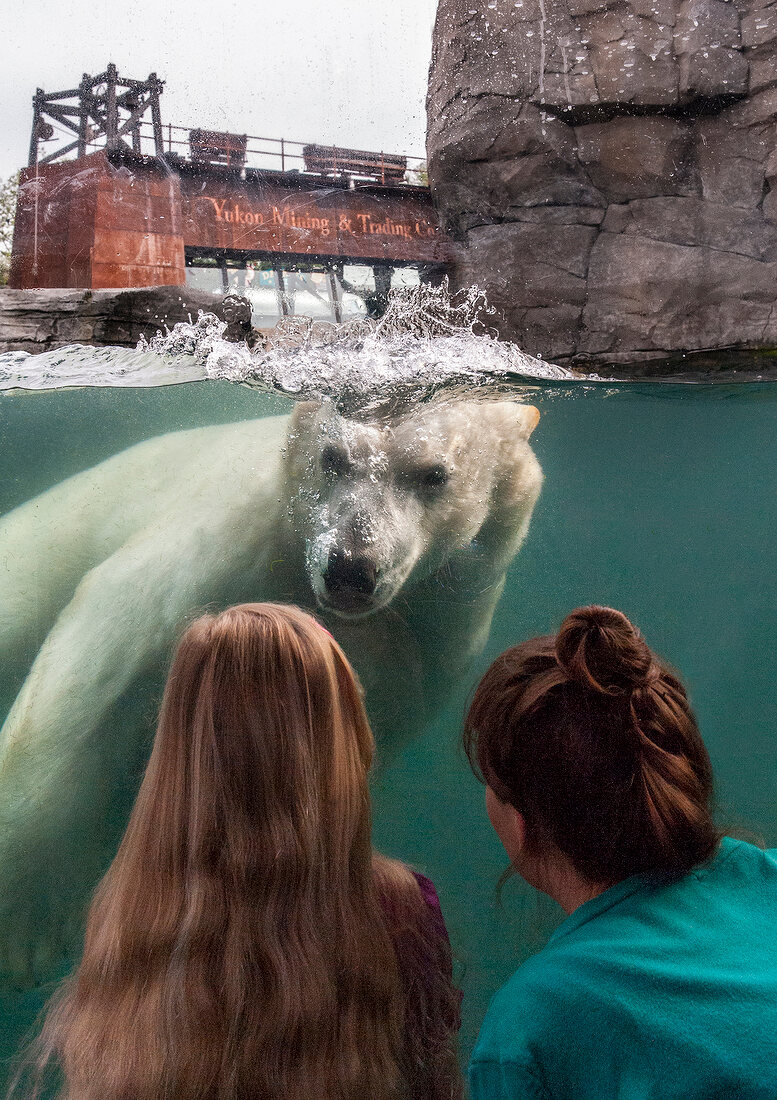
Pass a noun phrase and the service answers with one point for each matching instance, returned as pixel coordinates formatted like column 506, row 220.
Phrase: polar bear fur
column 99, row 574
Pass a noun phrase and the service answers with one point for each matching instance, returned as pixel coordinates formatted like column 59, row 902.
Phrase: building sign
column 239, row 216
column 366, row 223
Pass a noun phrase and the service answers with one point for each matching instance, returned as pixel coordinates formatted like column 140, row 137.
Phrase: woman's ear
column 509, row 825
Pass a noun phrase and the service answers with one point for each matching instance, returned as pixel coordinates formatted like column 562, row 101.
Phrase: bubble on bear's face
column 379, row 506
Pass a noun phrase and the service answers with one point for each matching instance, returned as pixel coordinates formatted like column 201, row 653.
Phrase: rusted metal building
column 129, row 202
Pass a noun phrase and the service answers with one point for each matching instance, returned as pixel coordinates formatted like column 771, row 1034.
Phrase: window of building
column 332, row 291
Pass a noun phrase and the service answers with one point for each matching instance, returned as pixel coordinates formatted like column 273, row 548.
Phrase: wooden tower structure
column 105, row 106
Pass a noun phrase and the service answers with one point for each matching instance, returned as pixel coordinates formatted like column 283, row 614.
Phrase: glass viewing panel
column 650, row 536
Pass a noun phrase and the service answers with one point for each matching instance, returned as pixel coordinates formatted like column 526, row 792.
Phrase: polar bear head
column 382, row 503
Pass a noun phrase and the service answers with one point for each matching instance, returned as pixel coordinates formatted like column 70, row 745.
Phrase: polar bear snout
column 350, row 578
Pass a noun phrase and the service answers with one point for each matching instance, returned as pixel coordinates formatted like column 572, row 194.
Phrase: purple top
column 436, row 955
column 430, row 897
column 432, row 1004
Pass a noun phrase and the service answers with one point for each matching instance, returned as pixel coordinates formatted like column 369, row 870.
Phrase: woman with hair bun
column 247, row 942
column 661, row 984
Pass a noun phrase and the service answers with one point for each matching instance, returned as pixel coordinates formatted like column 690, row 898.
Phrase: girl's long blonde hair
column 238, row 946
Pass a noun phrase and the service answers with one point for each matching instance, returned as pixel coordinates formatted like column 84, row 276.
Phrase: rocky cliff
column 610, row 168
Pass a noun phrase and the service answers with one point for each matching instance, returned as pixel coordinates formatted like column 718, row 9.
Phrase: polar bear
column 397, row 529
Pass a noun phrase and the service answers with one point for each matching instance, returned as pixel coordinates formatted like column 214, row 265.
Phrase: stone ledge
column 41, row 320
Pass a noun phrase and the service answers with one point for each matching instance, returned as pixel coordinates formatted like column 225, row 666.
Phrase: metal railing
column 280, row 155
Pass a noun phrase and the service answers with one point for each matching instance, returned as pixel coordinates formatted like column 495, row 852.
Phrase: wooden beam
column 57, row 113
column 59, row 153
column 154, row 88
column 111, row 111
column 84, row 92
column 134, row 118
column 333, row 289
column 95, row 116
column 132, row 124
column 36, row 105
column 285, row 312
column 51, row 96
column 61, row 109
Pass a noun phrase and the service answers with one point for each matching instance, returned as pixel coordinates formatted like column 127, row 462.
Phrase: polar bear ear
column 528, row 419
column 511, row 419
column 304, row 411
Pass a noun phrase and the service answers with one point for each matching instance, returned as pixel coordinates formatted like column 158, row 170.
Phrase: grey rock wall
column 40, row 320
column 610, row 169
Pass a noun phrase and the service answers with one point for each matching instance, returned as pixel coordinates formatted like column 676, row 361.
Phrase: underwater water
column 658, row 499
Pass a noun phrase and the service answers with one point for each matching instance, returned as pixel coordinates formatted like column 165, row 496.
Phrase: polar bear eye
column 335, row 460
column 433, row 477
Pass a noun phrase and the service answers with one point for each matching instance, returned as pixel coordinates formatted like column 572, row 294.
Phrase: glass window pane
column 307, row 294
column 354, row 282
column 358, row 276
column 261, row 289
column 352, row 307
column 237, row 278
column 205, row 278
column 405, row 276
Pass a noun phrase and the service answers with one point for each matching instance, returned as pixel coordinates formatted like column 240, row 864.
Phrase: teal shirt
column 655, row 989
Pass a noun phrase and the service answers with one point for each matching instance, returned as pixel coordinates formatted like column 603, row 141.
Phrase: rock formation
column 39, row 320
column 610, row 167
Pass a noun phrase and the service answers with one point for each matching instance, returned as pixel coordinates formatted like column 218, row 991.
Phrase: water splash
column 427, row 340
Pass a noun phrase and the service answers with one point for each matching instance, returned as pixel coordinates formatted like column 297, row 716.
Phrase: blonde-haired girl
column 247, row 942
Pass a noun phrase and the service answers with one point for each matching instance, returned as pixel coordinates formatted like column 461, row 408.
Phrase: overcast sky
column 346, row 72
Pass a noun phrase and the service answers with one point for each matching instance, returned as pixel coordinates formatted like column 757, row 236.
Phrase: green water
column 659, row 500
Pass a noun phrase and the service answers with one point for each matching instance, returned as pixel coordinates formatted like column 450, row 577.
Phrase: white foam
column 427, row 339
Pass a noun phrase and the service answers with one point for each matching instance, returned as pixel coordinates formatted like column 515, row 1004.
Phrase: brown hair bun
column 599, row 648
column 591, row 737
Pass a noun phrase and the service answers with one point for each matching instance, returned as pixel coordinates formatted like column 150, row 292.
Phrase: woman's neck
column 570, row 895
column 555, row 876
